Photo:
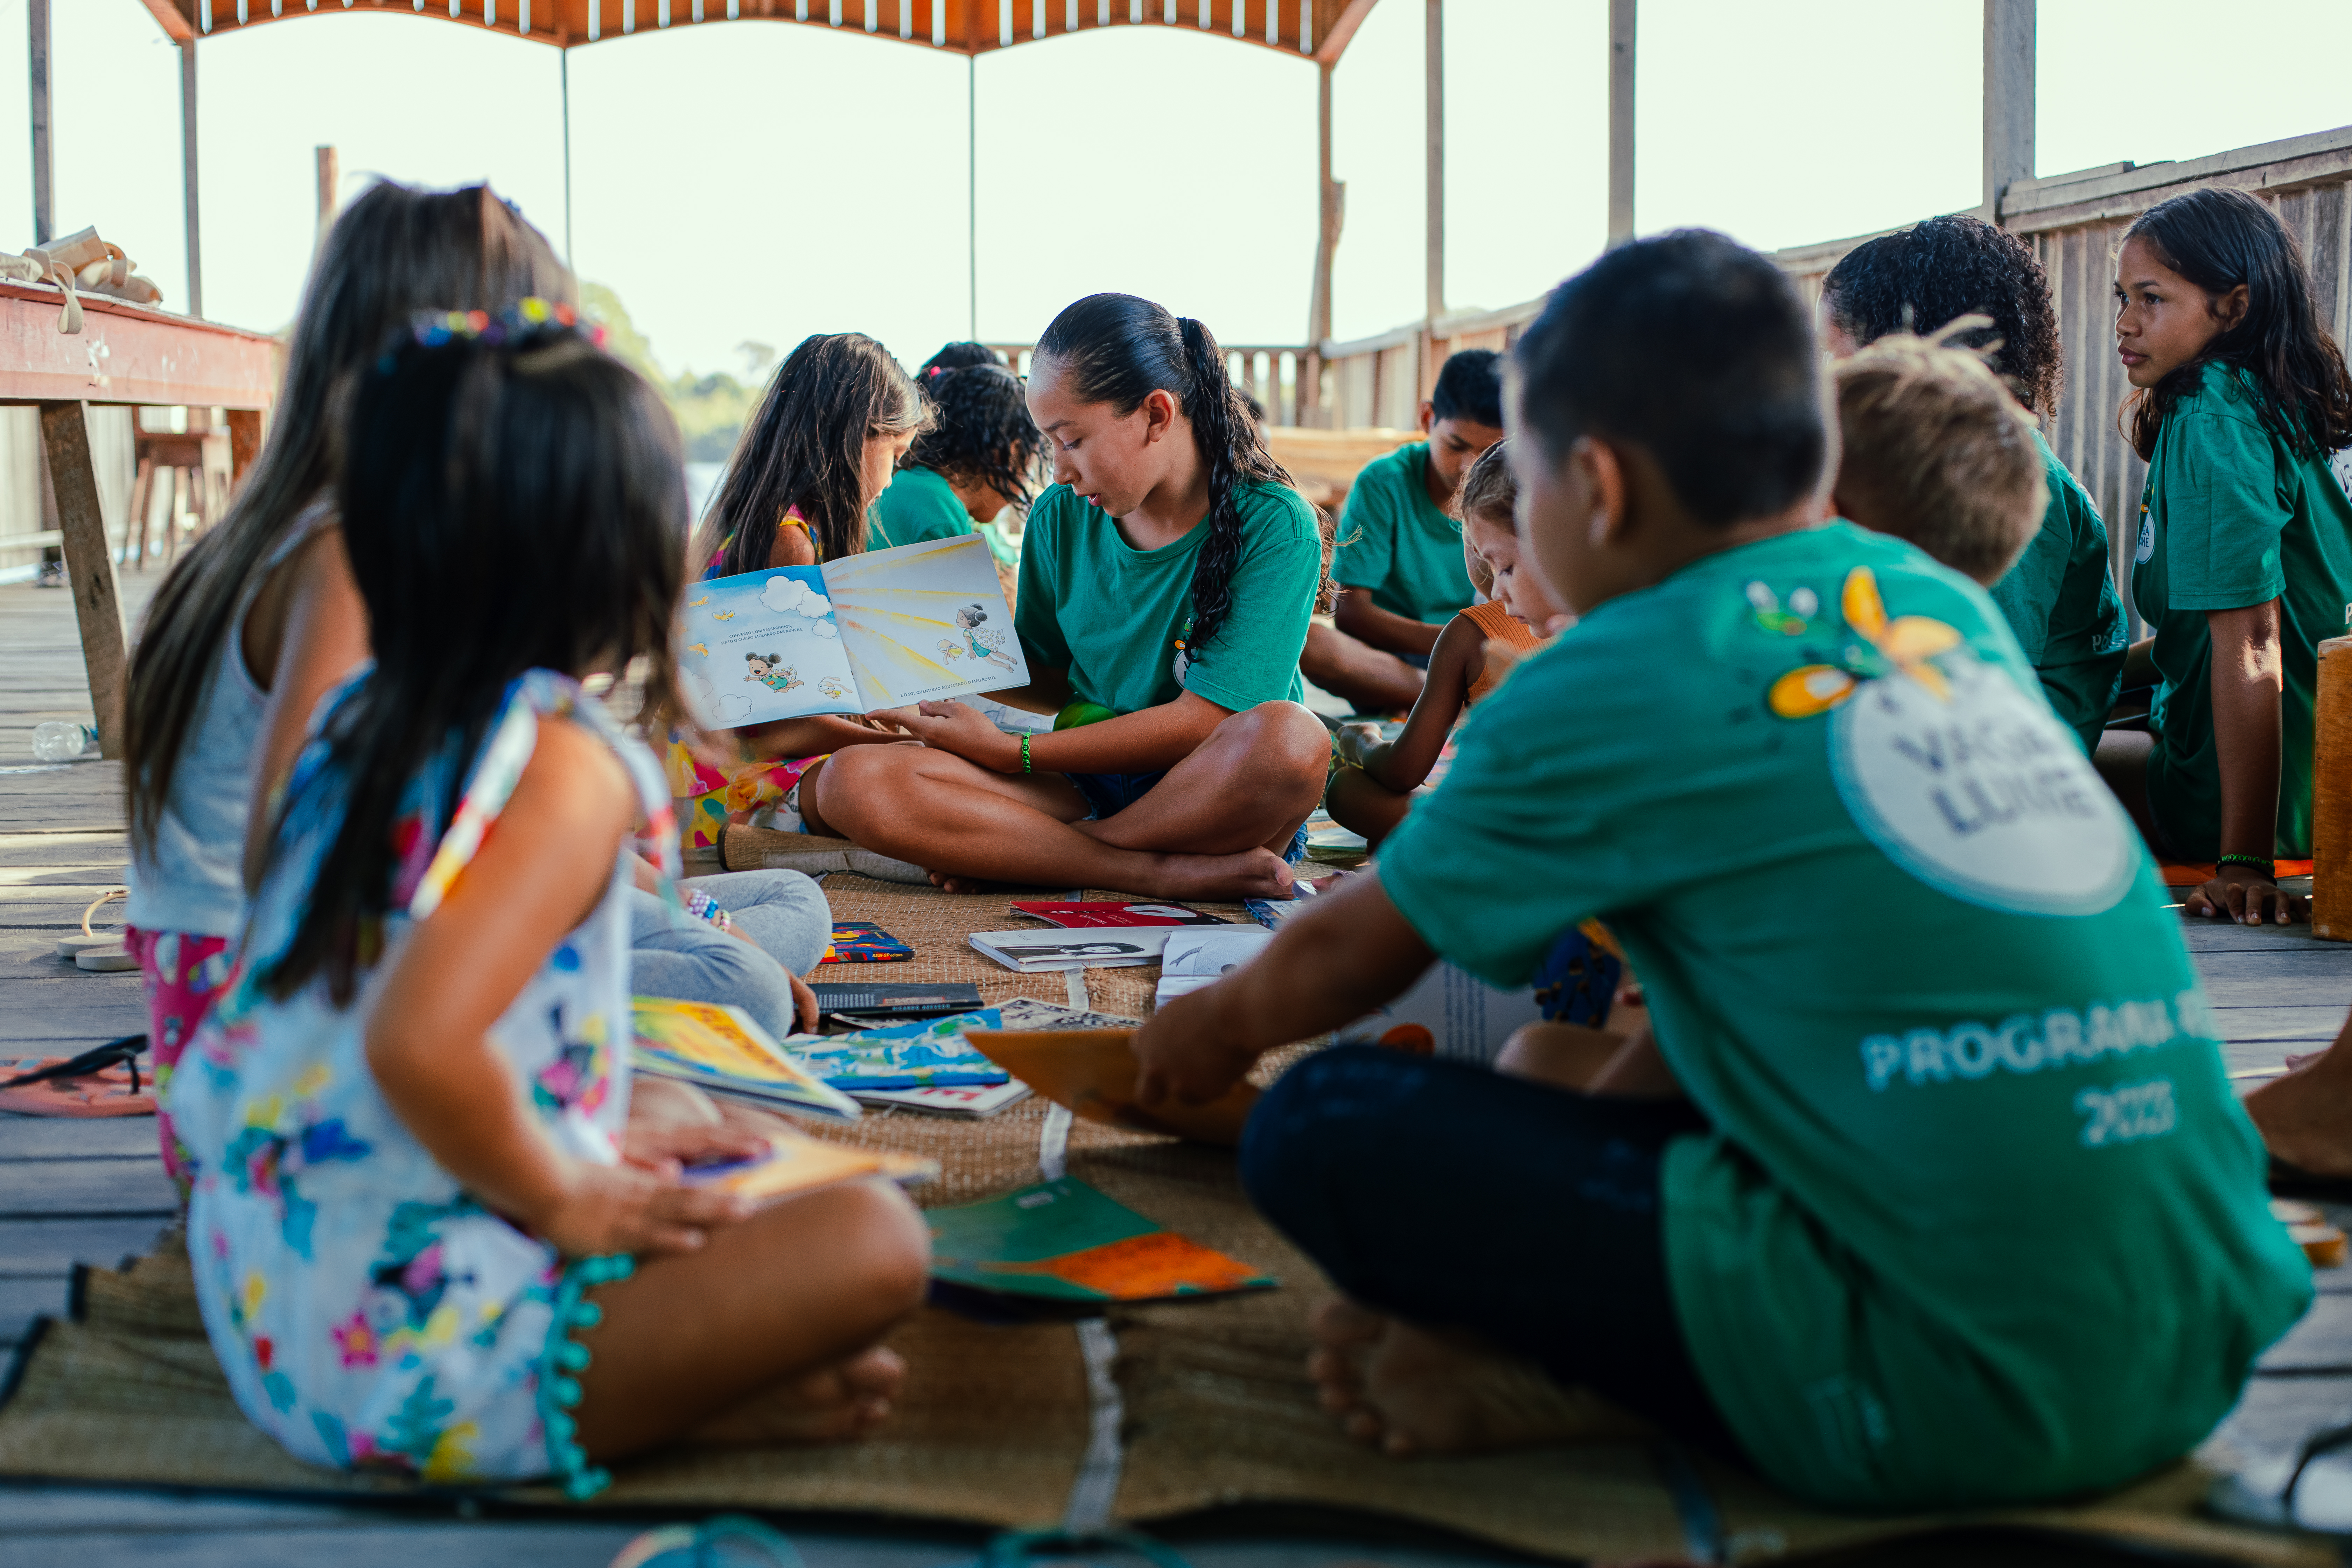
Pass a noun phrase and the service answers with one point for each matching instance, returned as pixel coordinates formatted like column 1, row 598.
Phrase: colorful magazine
column 720, row 1051
column 888, row 628
column 1066, row 1241
column 901, row 1055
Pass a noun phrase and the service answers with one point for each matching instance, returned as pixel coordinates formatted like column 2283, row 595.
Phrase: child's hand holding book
column 627, row 1208
column 959, row 729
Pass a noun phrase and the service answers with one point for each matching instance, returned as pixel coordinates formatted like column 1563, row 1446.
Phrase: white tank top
column 193, row 880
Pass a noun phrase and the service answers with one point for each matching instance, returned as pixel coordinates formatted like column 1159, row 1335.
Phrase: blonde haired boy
column 1934, row 450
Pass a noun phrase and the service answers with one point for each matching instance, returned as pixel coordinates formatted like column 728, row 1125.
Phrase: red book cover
column 1095, row 912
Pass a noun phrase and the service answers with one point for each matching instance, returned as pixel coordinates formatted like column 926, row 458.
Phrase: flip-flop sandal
column 87, row 940
column 103, row 1081
column 2311, row 1490
column 35, row 267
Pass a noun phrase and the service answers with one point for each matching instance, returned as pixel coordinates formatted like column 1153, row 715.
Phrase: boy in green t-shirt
column 1398, row 562
column 1960, row 1207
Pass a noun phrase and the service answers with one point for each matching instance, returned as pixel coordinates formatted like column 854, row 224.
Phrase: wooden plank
column 25, row 1138
column 90, row 564
column 402, row 1541
column 127, row 353
column 2322, row 1342
column 30, row 1247
column 53, row 1023
column 24, row 1297
column 117, row 1188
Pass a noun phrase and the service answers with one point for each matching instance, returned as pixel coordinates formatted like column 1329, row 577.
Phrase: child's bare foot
column 832, row 1404
column 949, row 882
column 1253, row 874
column 2306, row 1115
column 1410, row 1391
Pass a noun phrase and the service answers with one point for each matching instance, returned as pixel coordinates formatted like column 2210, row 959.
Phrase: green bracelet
column 2268, row 868
column 1025, row 751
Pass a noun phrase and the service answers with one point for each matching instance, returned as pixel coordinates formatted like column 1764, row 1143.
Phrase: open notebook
column 922, row 622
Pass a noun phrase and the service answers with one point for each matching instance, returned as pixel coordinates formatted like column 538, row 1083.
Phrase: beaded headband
column 527, row 318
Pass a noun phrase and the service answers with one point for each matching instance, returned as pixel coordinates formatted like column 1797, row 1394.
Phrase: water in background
column 701, row 484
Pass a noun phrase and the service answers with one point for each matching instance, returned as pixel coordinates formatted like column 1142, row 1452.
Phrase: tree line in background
column 710, row 409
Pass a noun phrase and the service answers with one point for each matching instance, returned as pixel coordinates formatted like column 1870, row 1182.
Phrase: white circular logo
column 2146, row 539
column 1981, row 793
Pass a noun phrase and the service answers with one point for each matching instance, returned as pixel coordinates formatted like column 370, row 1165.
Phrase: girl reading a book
column 259, row 617
column 1374, row 782
column 426, row 1239
column 1167, row 579
column 835, row 419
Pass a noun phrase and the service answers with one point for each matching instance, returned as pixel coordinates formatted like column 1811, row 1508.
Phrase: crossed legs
column 1214, row 827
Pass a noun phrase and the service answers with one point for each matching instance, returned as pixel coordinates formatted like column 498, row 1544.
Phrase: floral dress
column 370, row 1313
column 764, row 791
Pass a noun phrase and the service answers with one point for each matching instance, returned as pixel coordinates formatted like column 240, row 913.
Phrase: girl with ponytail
column 1167, row 582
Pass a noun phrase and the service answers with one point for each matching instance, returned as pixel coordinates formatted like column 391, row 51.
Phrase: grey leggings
column 673, row 955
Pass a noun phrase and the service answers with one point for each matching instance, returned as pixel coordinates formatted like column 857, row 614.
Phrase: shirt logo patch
column 1977, row 792
column 2146, row 550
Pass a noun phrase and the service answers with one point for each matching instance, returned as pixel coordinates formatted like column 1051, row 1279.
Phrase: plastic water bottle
column 58, row 741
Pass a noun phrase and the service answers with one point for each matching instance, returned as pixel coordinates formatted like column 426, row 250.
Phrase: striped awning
column 1317, row 29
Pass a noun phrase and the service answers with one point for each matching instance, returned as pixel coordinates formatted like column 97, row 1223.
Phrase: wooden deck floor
column 94, row 1192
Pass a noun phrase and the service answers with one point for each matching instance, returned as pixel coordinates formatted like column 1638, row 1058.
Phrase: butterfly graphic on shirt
column 1904, row 644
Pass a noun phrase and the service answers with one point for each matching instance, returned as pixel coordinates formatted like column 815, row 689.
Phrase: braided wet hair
column 1119, row 350
column 981, row 432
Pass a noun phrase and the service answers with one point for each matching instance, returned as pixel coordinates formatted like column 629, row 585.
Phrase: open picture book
column 923, row 622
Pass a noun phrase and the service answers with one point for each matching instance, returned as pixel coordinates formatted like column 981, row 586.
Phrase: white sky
column 764, row 182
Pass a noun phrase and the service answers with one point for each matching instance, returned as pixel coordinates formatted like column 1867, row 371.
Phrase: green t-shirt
column 1394, row 542
column 1979, row 1218
column 2232, row 516
column 2061, row 601
column 916, row 505
column 1110, row 615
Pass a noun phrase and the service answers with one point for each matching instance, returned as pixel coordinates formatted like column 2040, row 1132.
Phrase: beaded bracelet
column 1025, row 751
column 2266, row 865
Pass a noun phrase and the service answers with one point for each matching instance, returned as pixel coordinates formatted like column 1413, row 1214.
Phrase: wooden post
column 188, row 174
column 971, row 189
column 1433, row 65
column 89, row 565
column 329, row 178
column 1331, row 213
column 37, row 17
column 563, row 68
column 1623, row 17
column 2009, row 49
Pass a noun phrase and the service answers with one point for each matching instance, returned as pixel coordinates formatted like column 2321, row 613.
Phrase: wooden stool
column 196, row 464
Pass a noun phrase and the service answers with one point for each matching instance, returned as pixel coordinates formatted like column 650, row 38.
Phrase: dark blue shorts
column 1107, row 795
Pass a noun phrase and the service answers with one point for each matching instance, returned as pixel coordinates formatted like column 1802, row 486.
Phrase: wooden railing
column 1267, row 372
column 2075, row 222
